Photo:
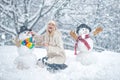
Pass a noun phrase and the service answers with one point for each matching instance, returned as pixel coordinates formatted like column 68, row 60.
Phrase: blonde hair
column 54, row 23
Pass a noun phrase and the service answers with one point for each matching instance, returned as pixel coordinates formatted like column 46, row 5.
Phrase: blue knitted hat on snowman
column 82, row 26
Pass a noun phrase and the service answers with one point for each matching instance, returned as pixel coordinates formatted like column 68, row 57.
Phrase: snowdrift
column 100, row 66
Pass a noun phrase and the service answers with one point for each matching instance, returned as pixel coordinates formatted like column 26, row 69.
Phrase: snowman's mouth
column 29, row 33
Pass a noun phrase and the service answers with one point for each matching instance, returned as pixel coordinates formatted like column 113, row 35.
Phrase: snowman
column 26, row 59
column 84, row 44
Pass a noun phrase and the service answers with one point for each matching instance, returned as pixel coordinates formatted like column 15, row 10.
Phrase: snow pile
column 103, row 66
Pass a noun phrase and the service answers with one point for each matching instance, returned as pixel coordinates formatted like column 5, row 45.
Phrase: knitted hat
column 23, row 28
column 83, row 26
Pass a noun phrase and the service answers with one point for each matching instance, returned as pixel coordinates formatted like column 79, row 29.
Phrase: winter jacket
column 55, row 50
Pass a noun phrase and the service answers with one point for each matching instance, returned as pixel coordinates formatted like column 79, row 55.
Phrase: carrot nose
column 85, row 31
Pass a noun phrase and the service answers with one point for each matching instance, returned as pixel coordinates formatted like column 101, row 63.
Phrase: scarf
column 28, row 43
column 83, row 41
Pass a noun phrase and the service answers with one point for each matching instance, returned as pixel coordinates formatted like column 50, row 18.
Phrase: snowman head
column 24, row 33
column 25, row 37
column 83, row 29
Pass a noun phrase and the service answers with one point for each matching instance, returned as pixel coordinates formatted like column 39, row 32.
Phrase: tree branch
column 37, row 13
column 60, row 7
column 50, row 8
column 40, row 13
column 74, row 19
column 36, row 18
column 6, row 12
column 2, row 27
column 6, row 1
column 15, row 17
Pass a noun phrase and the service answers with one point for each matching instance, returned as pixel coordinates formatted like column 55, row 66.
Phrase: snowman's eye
column 25, row 32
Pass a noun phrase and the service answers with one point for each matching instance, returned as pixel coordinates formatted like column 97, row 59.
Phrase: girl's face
column 83, row 31
column 51, row 27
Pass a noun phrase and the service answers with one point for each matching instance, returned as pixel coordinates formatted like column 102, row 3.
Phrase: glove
column 73, row 35
column 97, row 31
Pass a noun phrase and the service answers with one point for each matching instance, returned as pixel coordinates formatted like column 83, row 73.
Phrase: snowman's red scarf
column 82, row 40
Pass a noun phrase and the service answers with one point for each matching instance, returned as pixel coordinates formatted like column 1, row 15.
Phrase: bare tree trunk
column 26, row 12
column 15, row 17
column 7, row 30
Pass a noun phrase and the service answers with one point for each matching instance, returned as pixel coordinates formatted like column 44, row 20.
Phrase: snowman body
column 82, row 47
column 26, row 58
column 83, row 32
column 83, row 54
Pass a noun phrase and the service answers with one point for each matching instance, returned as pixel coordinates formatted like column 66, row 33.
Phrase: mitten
column 97, row 30
column 73, row 35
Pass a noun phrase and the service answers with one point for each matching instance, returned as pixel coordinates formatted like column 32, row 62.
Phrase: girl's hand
column 46, row 44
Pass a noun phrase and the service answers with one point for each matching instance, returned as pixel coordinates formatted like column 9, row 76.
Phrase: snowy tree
column 68, row 14
column 33, row 14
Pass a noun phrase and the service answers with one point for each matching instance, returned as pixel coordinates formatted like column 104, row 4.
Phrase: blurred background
column 68, row 14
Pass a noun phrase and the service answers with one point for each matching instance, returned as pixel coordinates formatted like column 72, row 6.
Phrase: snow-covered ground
column 104, row 66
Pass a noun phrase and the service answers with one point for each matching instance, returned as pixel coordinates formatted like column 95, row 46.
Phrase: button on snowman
column 26, row 58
